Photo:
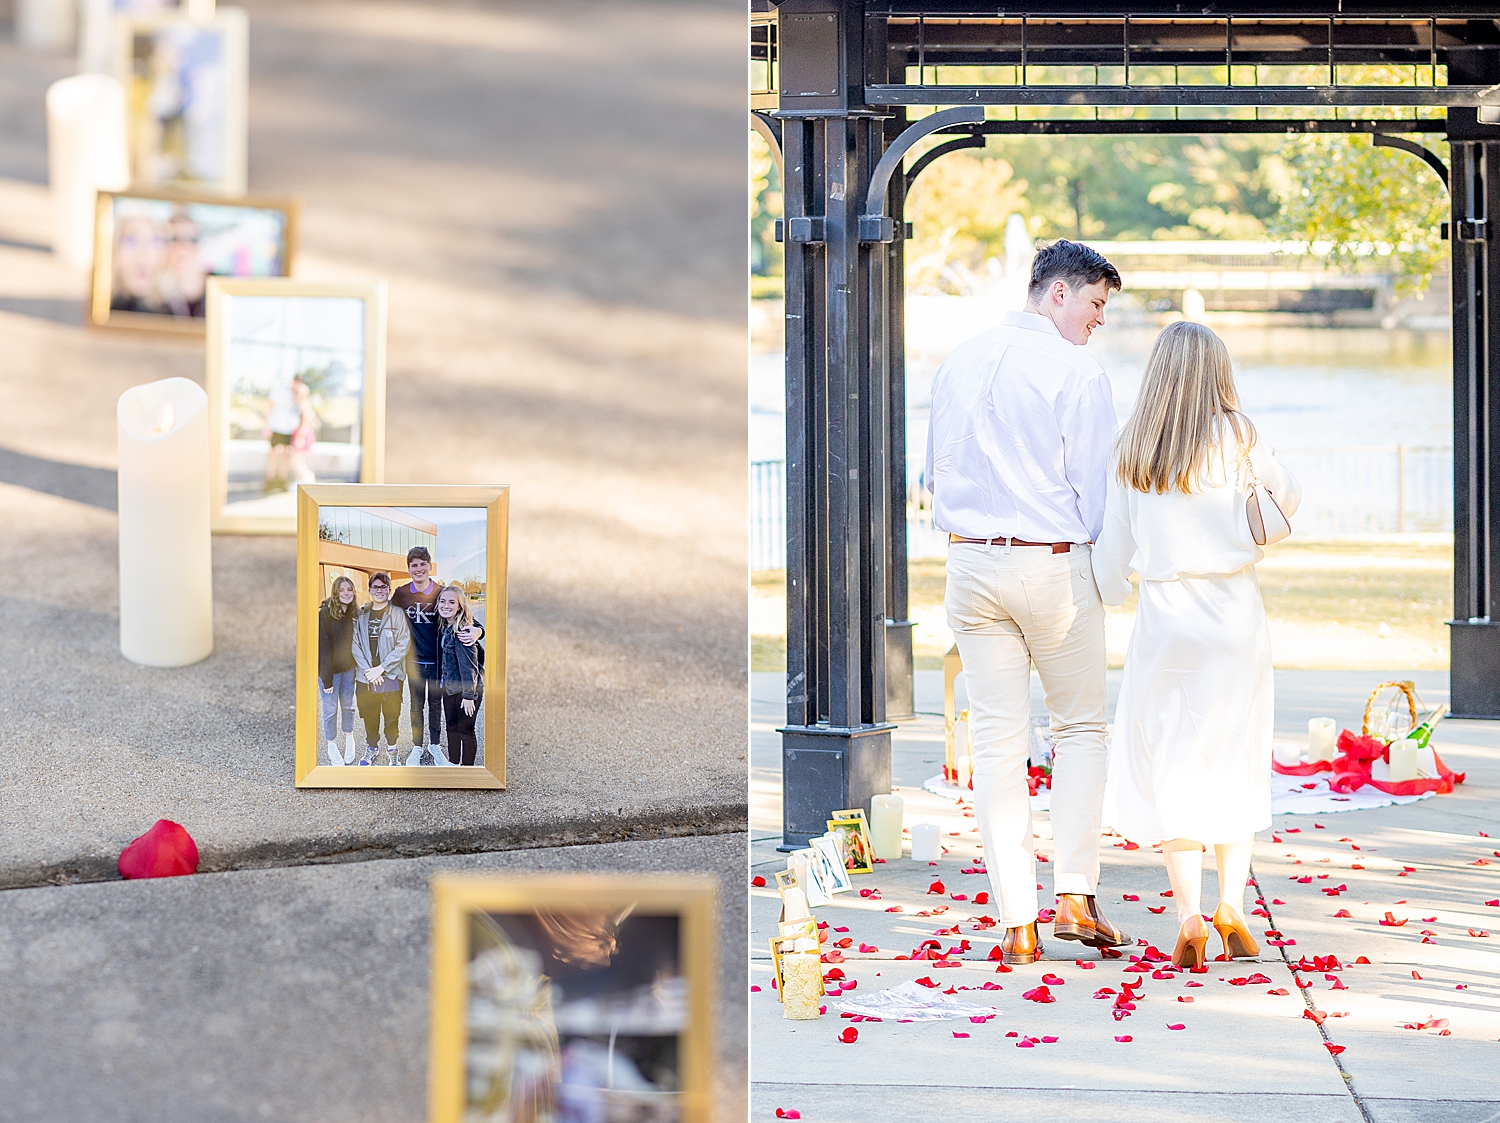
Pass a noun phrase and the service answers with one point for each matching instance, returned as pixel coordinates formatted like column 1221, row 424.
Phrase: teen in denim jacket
column 461, row 680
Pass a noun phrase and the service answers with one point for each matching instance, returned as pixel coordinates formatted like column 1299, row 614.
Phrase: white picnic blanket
column 912, row 1002
column 1042, row 801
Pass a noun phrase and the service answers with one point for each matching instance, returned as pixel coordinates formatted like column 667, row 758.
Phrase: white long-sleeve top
column 1019, row 436
column 1172, row 535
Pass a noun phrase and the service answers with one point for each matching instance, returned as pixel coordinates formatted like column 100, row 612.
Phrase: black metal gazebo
column 834, row 86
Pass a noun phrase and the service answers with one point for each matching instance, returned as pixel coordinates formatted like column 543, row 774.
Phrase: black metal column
column 836, row 749
column 1475, row 629
column 900, row 692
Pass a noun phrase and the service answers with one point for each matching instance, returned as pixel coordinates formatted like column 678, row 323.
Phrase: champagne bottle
column 1422, row 734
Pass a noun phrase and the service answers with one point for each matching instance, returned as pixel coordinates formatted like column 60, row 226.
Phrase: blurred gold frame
column 455, row 897
column 496, row 501
column 372, row 393
column 99, row 313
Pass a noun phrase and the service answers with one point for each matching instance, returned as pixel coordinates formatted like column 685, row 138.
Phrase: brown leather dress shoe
column 1020, row 946
column 1078, row 918
column 1108, row 935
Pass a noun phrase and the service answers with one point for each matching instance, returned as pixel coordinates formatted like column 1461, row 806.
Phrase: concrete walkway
column 1244, row 1054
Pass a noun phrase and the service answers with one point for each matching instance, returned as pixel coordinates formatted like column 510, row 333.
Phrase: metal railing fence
column 1346, row 492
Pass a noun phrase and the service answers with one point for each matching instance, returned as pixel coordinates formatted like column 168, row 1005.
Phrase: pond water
column 1304, row 387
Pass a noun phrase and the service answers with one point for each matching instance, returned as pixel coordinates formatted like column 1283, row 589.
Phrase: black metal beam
column 1427, row 156
column 1291, row 96
column 1189, row 126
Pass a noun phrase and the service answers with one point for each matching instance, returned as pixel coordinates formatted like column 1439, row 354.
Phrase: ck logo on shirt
column 419, row 614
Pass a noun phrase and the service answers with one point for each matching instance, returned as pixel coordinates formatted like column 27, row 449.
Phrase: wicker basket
column 1406, row 688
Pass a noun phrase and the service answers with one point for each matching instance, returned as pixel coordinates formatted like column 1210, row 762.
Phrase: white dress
column 1190, row 755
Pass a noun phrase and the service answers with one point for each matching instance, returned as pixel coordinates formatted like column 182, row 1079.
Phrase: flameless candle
column 87, row 152
column 886, row 812
column 45, row 25
column 1320, row 738
column 963, row 763
column 166, row 570
column 925, row 845
column 1286, row 753
column 1403, row 755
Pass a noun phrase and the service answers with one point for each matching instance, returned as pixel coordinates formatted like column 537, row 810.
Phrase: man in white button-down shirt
column 1018, row 448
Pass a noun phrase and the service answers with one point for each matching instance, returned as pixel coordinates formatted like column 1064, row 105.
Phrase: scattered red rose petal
column 789, row 1113
column 1129, row 897
column 1039, row 994
column 926, row 981
column 960, row 896
column 760, row 883
column 1344, row 913
column 1052, row 980
column 957, row 1034
column 1049, row 1041
column 1478, row 932
column 1158, row 909
column 1281, row 991
column 981, row 898
column 1190, row 983
column 937, row 887
column 166, row 850
column 1360, row 960
column 1127, row 1037
column 868, row 949
column 849, row 1036
column 1416, row 976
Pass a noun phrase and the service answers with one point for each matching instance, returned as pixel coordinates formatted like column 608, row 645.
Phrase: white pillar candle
column 1403, row 755
column 87, row 152
column 45, row 25
column 963, row 762
column 925, row 844
column 886, row 812
column 166, row 569
column 1321, row 737
column 1286, row 753
column 96, row 36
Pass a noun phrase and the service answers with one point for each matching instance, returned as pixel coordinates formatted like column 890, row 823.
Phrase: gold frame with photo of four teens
column 496, row 503
column 372, row 391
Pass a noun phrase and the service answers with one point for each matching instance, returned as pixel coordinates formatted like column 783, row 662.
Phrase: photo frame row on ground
column 365, row 600
column 577, row 997
column 296, row 395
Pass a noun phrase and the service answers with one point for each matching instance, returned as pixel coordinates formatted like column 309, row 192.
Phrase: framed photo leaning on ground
column 571, row 997
column 186, row 83
column 154, row 252
column 401, row 621
column 296, row 395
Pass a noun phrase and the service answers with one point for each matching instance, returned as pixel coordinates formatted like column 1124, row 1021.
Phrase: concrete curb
column 331, row 850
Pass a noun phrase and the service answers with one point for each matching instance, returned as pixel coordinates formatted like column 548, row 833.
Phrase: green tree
column 958, row 209
column 1377, row 207
column 765, row 209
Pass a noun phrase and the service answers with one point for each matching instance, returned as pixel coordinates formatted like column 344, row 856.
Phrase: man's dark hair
column 380, row 579
column 1071, row 262
column 418, row 552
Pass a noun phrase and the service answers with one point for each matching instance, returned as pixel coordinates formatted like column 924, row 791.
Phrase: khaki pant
column 1010, row 608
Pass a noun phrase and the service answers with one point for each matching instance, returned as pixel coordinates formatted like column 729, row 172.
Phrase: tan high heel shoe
column 1238, row 943
column 1191, row 941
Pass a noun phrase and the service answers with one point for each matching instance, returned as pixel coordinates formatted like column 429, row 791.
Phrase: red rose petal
column 1178, row 1025
column 957, row 1034
column 849, row 1036
column 981, row 898
column 789, row 1113
column 760, row 883
column 1129, row 897
column 1156, row 908
column 937, row 887
column 1332, row 1048
column 1279, row 991
column 166, row 850
column 1052, row 980
column 755, row 990
column 1127, row 1037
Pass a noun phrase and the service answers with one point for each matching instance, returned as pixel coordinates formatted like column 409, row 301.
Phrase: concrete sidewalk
column 284, row 995
column 566, row 316
column 1244, row 1054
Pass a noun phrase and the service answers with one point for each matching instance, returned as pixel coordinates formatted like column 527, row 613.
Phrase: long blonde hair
column 465, row 615
column 1186, row 398
column 337, row 608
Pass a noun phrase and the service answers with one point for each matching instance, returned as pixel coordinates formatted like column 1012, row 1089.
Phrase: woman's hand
column 468, row 707
column 375, row 675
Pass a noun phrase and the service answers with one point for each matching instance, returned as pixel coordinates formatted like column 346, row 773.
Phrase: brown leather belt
column 1057, row 547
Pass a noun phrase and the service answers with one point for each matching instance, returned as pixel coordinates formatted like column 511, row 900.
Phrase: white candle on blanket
column 1321, row 738
column 166, row 565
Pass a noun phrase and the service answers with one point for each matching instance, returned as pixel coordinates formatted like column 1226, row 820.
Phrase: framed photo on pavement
column 401, row 636
column 571, row 997
column 296, row 395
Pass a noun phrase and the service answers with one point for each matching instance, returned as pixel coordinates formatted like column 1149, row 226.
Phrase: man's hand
column 471, row 635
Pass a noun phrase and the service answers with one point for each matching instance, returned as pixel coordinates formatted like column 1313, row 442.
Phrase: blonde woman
column 460, row 675
column 1190, row 758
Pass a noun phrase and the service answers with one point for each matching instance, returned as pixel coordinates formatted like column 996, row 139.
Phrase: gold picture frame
column 507, row 912
column 788, row 932
column 853, row 834
column 219, row 383
column 313, row 569
column 153, row 56
column 151, row 310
